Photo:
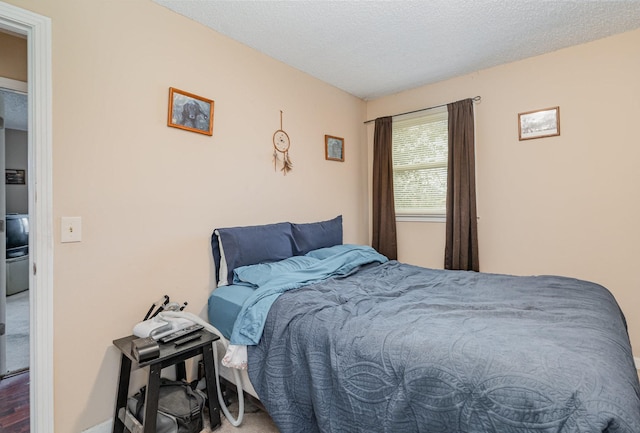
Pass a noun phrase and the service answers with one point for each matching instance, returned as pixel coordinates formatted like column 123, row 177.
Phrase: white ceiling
column 15, row 109
column 375, row 48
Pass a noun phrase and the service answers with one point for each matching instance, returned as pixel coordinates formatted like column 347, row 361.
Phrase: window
column 420, row 149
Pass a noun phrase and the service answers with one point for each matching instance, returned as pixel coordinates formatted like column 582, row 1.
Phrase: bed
column 340, row 339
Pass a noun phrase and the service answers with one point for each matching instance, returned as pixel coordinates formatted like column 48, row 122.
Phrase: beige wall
column 564, row 205
column 149, row 195
column 14, row 57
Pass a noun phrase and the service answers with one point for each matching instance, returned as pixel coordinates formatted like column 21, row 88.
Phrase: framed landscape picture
column 539, row 123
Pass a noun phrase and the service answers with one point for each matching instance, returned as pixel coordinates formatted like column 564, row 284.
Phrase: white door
column 14, row 274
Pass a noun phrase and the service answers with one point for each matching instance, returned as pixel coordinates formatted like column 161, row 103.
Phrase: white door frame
column 37, row 29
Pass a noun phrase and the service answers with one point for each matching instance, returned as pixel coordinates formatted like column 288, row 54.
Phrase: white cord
column 236, row 376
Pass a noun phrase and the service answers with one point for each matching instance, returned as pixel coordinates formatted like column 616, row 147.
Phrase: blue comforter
column 398, row 348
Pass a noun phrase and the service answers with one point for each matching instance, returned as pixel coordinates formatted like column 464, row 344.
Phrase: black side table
column 169, row 355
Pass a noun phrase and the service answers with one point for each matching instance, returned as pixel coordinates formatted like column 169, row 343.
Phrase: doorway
column 37, row 30
column 14, row 287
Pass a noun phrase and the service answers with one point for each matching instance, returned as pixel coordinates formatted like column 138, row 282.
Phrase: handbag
column 180, row 407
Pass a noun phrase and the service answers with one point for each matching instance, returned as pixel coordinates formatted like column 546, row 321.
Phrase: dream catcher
column 281, row 144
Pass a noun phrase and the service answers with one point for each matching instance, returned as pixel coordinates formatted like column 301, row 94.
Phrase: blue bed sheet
column 225, row 303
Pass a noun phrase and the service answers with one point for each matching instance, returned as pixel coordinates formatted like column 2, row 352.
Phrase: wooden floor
column 14, row 403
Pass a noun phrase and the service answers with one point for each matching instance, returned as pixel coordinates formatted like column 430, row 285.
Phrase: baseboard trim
column 105, row 427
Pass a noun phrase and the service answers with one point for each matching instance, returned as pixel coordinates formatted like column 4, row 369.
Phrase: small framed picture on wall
column 14, row 177
column 190, row 112
column 333, row 148
column 539, row 123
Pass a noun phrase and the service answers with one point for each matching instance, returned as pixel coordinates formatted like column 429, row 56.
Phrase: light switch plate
column 71, row 229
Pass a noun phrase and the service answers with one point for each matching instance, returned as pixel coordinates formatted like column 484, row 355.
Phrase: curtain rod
column 475, row 99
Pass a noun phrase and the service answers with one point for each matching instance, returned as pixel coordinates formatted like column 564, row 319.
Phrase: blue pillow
column 239, row 246
column 262, row 273
column 312, row 236
column 324, row 253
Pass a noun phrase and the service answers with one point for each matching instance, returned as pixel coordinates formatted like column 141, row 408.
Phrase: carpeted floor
column 18, row 331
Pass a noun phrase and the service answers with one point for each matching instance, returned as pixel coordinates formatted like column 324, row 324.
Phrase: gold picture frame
column 190, row 112
column 539, row 123
column 333, row 148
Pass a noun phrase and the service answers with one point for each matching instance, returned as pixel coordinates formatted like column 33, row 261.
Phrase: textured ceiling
column 375, row 48
column 15, row 109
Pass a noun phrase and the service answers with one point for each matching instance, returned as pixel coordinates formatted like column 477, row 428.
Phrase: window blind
column 420, row 152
